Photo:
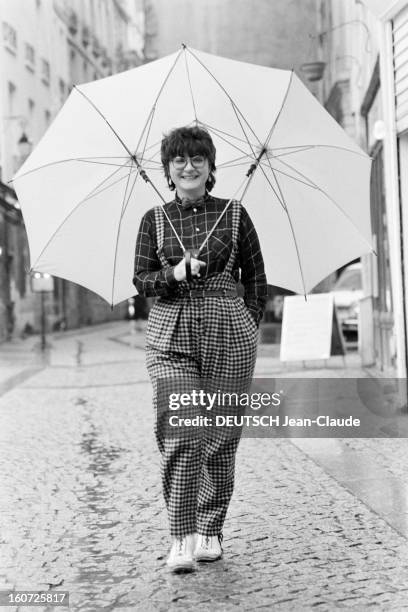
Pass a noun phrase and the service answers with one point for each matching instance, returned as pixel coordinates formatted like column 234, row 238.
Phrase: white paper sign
column 307, row 327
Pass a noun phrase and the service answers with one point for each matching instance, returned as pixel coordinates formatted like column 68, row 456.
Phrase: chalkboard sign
column 310, row 328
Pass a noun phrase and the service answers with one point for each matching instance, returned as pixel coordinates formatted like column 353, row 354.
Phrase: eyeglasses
column 197, row 161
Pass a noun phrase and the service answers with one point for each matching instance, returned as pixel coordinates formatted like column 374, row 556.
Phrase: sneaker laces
column 205, row 540
column 181, row 542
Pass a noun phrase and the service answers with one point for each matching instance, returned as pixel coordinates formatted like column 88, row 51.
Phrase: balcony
column 86, row 35
column 96, row 47
column 104, row 57
column 72, row 22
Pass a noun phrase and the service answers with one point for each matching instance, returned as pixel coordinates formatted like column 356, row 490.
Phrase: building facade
column 47, row 46
column 372, row 103
column 393, row 28
column 352, row 89
column 260, row 31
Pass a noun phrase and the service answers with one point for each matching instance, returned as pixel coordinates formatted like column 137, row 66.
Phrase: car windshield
column 350, row 280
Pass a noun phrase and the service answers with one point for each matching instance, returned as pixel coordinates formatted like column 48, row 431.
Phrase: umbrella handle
column 187, row 257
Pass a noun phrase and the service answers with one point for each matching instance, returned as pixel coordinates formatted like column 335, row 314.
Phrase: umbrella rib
column 154, row 144
column 291, row 176
column 224, row 90
column 281, row 202
column 190, row 86
column 280, row 111
column 157, row 98
column 167, row 76
column 233, row 162
column 305, row 147
column 215, row 129
column 246, row 179
column 91, row 194
column 119, row 226
column 242, row 128
column 149, row 118
column 96, row 193
column 238, row 112
column 210, row 129
column 313, row 185
column 130, row 195
column 228, row 165
column 88, row 161
column 104, row 118
column 62, row 161
column 148, row 131
column 293, row 235
column 299, row 150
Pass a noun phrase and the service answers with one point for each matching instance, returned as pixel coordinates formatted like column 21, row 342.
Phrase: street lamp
column 42, row 283
column 24, row 146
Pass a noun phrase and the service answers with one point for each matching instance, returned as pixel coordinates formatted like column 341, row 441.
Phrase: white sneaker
column 181, row 558
column 208, row 548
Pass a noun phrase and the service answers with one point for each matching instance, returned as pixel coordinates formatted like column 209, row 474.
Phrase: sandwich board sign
column 310, row 329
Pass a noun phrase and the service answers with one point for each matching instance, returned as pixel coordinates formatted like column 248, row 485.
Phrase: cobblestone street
column 82, row 508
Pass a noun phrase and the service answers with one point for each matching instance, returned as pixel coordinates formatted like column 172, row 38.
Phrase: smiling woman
column 199, row 329
column 188, row 158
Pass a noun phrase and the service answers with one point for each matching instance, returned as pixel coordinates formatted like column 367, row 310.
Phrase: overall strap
column 158, row 217
column 159, row 220
column 236, row 219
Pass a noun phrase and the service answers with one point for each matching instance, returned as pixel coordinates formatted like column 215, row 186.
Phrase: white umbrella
column 82, row 193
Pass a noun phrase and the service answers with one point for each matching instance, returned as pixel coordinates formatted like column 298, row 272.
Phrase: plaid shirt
column 192, row 224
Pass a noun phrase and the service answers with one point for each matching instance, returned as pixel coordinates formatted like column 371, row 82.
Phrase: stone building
column 353, row 88
column 274, row 33
column 48, row 46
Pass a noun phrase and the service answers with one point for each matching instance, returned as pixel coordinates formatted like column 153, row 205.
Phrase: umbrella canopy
column 82, row 191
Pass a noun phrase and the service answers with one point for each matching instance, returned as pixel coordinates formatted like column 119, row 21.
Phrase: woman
column 199, row 328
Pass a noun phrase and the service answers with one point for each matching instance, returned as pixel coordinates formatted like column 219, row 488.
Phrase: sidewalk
column 314, row 523
column 18, row 355
column 269, row 364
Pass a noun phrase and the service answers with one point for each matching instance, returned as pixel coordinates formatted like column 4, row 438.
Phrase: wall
column 46, row 46
column 260, row 31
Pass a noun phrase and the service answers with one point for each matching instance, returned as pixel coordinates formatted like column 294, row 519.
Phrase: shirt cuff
column 255, row 315
column 169, row 277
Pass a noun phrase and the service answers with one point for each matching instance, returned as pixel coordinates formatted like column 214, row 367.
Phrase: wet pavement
column 313, row 525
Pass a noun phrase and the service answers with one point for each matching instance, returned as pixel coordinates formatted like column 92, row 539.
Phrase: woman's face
column 189, row 174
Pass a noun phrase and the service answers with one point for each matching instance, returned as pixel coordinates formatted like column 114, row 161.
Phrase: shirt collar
column 187, row 203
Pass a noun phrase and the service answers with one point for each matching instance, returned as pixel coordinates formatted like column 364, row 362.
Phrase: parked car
column 348, row 291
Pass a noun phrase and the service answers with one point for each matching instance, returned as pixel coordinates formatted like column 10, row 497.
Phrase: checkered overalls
column 209, row 337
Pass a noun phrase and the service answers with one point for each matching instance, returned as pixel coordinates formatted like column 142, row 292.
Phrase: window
column 29, row 57
column 31, row 111
column 11, row 98
column 349, row 280
column 9, row 37
column 62, row 90
column 45, row 72
column 47, row 118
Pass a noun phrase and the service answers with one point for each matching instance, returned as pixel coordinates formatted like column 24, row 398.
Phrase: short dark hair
column 188, row 141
